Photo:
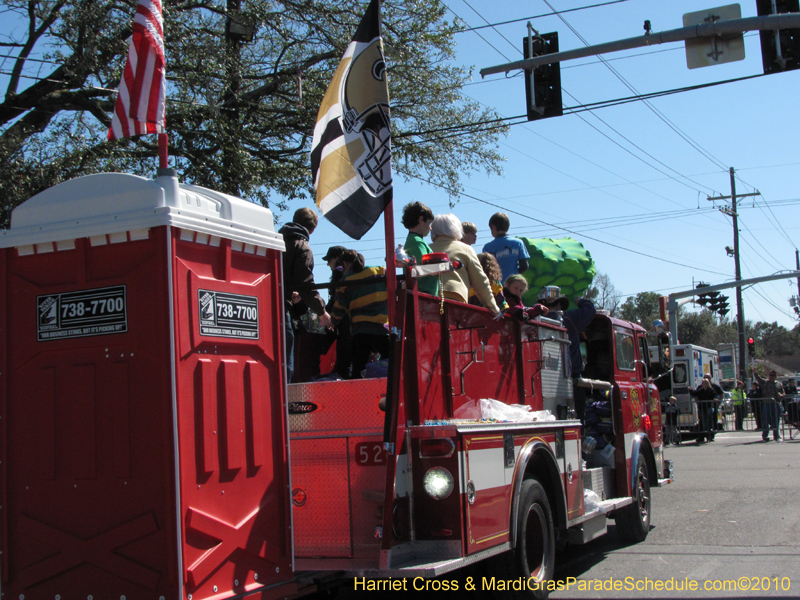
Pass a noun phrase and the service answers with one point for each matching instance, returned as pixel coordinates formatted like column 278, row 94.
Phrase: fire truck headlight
column 438, row 483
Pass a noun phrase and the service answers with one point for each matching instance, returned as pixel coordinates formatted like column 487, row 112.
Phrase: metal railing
column 726, row 417
column 787, row 416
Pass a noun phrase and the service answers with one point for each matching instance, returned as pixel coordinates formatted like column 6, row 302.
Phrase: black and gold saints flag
column 351, row 156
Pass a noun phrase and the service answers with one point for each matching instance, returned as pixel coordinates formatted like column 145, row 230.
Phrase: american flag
column 141, row 101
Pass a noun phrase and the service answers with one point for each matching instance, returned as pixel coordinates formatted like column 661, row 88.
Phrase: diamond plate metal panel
column 322, row 523
column 556, row 386
column 429, row 559
column 600, row 480
column 336, row 407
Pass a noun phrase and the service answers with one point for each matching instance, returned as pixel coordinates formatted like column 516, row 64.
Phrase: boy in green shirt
column 417, row 218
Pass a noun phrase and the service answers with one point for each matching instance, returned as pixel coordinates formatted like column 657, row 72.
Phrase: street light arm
column 716, row 29
column 672, row 302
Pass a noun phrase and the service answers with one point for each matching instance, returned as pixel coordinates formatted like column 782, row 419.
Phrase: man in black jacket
column 298, row 275
column 715, row 405
column 705, row 396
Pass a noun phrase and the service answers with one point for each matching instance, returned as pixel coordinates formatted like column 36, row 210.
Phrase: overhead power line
column 520, row 119
column 550, row 14
column 638, row 156
column 684, row 136
column 766, row 254
column 638, row 217
column 678, row 179
column 756, row 291
column 578, row 108
column 570, row 231
column 775, row 220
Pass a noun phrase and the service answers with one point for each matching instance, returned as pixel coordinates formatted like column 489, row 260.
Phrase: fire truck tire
column 535, row 555
column 633, row 521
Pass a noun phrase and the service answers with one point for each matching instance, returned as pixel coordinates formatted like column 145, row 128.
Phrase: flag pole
column 391, row 270
column 163, row 150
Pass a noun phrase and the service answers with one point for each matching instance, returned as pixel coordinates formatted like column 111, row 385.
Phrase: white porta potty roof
column 109, row 203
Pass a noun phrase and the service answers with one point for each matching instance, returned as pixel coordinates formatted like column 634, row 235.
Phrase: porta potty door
column 87, row 467
column 232, row 423
column 143, row 449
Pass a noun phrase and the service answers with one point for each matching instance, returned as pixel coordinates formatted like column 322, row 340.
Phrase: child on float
column 515, row 288
column 366, row 305
column 511, row 253
column 493, row 273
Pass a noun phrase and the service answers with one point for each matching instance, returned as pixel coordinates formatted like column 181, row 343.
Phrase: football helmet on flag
column 366, row 114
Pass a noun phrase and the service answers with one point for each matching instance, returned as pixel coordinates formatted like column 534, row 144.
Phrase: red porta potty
column 144, row 451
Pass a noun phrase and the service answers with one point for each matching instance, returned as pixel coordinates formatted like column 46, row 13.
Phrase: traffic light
column 720, row 305
column 713, row 301
column 713, row 304
column 702, row 299
column 751, row 347
column 544, row 100
column 785, row 55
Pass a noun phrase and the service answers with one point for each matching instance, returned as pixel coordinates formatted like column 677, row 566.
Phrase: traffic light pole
column 672, row 302
column 706, row 30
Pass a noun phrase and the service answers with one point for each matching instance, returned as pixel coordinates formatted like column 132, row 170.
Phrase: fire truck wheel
column 534, row 558
column 633, row 522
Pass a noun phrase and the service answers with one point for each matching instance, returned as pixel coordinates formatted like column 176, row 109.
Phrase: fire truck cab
column 152, row 448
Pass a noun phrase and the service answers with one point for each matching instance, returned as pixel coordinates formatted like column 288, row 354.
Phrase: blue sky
column 627, row 181
column 630, row 182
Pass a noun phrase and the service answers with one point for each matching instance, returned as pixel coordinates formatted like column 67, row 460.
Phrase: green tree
column 642, row 309
column 245, row 80
column 693, row 327
column 701, row 328
column 775, row 340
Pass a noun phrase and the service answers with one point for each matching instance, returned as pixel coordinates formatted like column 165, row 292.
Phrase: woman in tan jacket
column 446, row 232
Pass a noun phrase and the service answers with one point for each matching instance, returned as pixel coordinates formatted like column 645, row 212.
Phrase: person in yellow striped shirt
column 367, row 306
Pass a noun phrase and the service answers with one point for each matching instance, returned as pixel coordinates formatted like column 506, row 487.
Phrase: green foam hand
column 563, row 262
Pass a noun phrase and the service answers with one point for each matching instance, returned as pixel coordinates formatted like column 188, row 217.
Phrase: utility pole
column 739, row 303
column 797, row 263
column 795, row 300
column 738, row 272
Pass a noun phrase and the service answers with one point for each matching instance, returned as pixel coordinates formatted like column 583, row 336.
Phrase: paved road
column 733, row 511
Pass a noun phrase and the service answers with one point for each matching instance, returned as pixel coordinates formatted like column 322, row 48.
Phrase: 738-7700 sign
column 101, row 311
column 227, row 315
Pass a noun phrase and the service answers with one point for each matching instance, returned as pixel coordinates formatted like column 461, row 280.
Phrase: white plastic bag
column 494, row 409
column 469, row 410
column 488, row 408
column 590, row 501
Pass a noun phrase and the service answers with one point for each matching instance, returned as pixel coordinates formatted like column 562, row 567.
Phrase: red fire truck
column 152, row 449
